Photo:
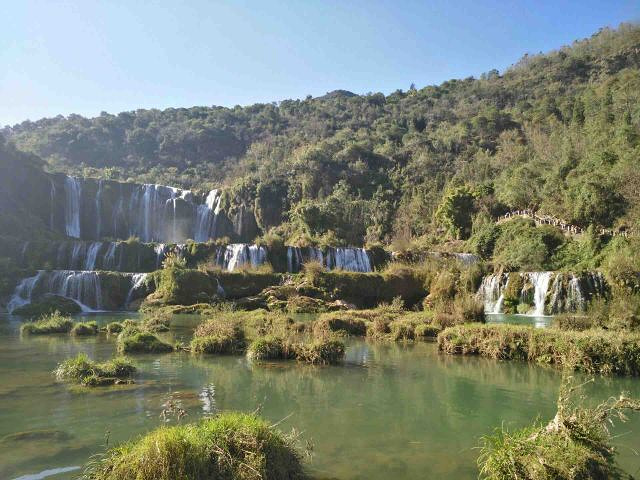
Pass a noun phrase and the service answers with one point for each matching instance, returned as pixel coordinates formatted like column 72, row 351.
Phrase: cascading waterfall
column 206, row 216
column 491, row 292
column 237, row 255
column 550, row 292
column 540, row 281
column 137, row 282
column 73, row 191
column 98, row 209
column 82, row 287
column 92, row 255
column 52, row 196
column 341, row 258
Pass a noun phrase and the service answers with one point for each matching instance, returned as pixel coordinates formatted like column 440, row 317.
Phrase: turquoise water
column 391, row 410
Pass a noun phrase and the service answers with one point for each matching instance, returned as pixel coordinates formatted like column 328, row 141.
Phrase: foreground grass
column 53, row 323
column 231, row 446
column 82, row 370
column 592, row 351
column 315, row 351
column 134, row 340
column 576, row 444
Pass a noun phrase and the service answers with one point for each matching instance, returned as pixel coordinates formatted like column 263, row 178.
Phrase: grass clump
column 320, row 351
column 53, row 323
column 218, row 336
column 426, row 330
column 230, row 446
column 134, row 340
column 85, row 329
column 592, row 351
column 348, row 322
column 576, row 444
column 80, row 369
column 114, row 327
column 270, row 348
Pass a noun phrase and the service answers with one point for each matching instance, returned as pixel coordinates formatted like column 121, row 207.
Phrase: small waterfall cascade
column 491, row 292
column 73, row 191
column 237, row 255
column 548, row 293
column 99, row 209
column 137, row 284
column 92, row 255
column 540, row 281
column 340, row 258
column 156, row 217
column 82, row 287
column 52, row 196
column 109, row 262
column 206, row 216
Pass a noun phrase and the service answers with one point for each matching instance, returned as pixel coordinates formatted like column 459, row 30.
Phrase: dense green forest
column 557, row 132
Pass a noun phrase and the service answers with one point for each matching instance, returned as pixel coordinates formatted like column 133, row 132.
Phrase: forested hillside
column 557, row 132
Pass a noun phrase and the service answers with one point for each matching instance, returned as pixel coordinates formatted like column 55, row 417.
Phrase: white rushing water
column 137, row 282
column 72, row 188
column 341, row 258
column 237, row 255
column 206, row 217
column 550, row 292
column 99, row 209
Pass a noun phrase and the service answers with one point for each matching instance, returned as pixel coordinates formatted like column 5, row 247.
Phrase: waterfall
column 98, row 210
column 22, row 294
column 92, row 255
column 294, row 259
column 82, row 287
column 239, row 254
column 206, row 216
column 77, row 254
column 137, row 281
column 350, row 259
column 491, row 292
column 159, row 248
column 109, row 260
column 553, row 293
column 52, row 197
column 540, row 281
column 72, row 189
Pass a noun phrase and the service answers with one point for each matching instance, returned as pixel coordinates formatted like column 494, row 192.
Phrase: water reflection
column 401, row 410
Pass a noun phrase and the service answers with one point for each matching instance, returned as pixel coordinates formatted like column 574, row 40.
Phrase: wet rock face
column 48, row 304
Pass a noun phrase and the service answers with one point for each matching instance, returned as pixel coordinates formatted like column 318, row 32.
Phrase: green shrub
column 425, row 330
column 568, row 321
column 270, row 348
column 320, row 351
column 114, row 327
column 217, row 344
column 53, row 323
column 85, row 329
column 593, row 351
column 523, row 308
column 230, row 446
column 402, row 329
column 81, row 369
column 576, row 444
column 131, row 340
column 340, row 322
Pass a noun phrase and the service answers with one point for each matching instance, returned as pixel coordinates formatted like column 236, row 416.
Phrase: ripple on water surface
column 390, row 410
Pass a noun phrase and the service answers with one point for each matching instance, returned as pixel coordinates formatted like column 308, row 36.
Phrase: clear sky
column 90, row 56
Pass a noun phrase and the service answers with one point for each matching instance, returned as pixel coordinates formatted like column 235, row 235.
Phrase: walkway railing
column 557, row 222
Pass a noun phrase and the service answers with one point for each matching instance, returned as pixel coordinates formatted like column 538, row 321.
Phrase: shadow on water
column 391, row 410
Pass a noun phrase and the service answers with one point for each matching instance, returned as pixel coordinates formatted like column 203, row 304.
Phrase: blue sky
column 87, row 56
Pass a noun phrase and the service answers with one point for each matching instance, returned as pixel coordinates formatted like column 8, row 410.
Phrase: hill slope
column 558, row 133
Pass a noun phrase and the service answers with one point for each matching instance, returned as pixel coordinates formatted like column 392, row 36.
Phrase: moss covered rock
column 48, row 304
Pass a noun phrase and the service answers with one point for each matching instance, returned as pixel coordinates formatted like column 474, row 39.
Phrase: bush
column 576, row 444
column 567, row 321
column 132, row 340
column 53, row 323
column 320, row 351
column 425, row 330
column 230, row 446
column 270, row 348
column 81, row 369
column 344, row 322
column 593, row 351
column 220, row 344
column 114, row 327
column 85, row 329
